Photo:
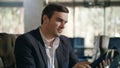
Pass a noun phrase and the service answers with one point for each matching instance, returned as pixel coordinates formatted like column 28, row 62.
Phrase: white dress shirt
column 50, row 51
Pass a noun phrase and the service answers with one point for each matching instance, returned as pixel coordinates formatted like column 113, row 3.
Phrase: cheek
column 58, row 25
column 55, row 25
column 52, row 27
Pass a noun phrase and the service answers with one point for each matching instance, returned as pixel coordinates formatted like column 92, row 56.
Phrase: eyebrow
column 60, row 19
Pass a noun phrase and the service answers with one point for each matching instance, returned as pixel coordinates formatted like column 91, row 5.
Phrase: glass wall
column 112, row 16
column 88, row 22
column 11, row 20
column 11, row 17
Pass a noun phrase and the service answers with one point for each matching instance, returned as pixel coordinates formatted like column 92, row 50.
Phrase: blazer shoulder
column 65, row 39
column 23, row 38
column 25, row 35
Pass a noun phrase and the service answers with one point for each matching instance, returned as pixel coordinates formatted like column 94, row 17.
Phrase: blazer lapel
column 41, row 45
column 59, row 55
column 43, row 53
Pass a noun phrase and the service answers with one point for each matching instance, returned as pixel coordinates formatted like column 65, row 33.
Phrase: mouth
column 60, row 31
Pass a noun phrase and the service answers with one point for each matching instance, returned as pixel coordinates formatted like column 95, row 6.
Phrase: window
column 90, row 21
column 11, row 17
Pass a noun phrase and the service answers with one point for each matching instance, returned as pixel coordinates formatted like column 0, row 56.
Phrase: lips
column 60, row 31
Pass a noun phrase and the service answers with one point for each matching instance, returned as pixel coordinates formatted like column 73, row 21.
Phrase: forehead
column 61, row 15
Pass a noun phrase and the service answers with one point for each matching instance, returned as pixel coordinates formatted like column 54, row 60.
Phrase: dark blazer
column 30, row 52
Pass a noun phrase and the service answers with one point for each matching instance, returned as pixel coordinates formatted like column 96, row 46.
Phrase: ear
column 45, row 18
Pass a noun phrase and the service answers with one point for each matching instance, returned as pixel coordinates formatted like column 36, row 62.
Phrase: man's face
column 56, row 23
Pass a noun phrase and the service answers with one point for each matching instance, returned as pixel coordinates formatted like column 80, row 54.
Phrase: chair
column 7, row 43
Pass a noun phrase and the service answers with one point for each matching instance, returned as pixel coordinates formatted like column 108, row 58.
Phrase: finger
column 85, row 62
column 81, row 66
column 87, row 66
column 100, row 65
column 108, row 61
column 104, row 63
column 78, row 65
column 111, row 60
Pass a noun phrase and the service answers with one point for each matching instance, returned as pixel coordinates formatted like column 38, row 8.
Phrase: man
column 45, row 47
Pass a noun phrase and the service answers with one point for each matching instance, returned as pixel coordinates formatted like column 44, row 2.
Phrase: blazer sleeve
column 72, row 56
column 23, row 53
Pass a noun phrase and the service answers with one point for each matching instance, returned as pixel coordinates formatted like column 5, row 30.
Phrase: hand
column 105, row 63
column 82, row 65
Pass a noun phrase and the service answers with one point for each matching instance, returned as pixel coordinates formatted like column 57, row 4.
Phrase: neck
column 47, row 35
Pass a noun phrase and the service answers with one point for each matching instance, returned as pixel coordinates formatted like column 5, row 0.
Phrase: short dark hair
column 50, row 8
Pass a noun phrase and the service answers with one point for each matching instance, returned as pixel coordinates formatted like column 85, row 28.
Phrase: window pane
column 69, row 27
column 11, row 0
column 86, row 23
column 60, row 0
column 113, row 21
column 89, row 22
column 79, row 0
column 11, row 19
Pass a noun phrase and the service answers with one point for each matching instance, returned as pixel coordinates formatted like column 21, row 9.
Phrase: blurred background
column 88, row 19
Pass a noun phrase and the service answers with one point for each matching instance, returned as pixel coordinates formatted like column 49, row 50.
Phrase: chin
column 58, row 34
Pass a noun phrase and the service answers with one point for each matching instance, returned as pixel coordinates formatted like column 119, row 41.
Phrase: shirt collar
column 47, row 43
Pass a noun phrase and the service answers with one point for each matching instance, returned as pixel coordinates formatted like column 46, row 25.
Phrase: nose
column 62, row 25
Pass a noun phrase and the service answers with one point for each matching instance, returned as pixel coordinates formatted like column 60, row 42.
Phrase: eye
column 66, row 22
column 61, row 20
